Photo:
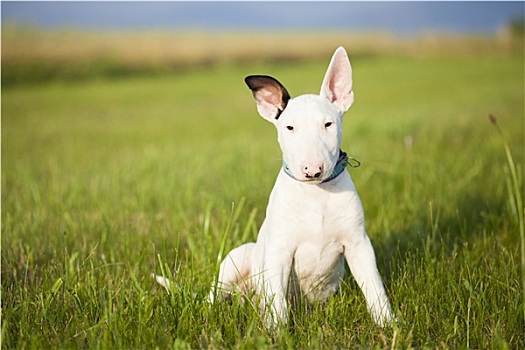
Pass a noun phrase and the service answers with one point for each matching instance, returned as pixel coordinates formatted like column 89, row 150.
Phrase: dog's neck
column 342, row 162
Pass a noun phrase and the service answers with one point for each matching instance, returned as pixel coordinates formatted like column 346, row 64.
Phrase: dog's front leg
column 362, row 262
column 274, row 282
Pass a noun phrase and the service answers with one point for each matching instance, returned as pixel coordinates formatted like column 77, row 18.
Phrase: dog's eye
column 328, row 124
column 289, row 127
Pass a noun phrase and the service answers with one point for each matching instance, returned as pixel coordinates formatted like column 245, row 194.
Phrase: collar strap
column 342, row 162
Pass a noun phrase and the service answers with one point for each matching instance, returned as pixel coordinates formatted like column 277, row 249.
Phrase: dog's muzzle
column 313, row 175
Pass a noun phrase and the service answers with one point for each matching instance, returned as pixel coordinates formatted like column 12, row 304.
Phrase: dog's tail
column 163, row 281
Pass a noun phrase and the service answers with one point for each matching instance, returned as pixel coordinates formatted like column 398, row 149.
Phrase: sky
column 396, row 17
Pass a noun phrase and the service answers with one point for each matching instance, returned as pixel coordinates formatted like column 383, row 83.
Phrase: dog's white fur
column 311, row 226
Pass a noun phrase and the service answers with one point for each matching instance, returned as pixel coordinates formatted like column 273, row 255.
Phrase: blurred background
column 44, row 41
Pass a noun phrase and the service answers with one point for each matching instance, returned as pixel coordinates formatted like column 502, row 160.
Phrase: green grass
column 106, row 181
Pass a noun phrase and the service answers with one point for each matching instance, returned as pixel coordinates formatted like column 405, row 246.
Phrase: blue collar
column 342, row 162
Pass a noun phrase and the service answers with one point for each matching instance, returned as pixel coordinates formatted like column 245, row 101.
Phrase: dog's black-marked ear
column 270, row 95
column 337, row 83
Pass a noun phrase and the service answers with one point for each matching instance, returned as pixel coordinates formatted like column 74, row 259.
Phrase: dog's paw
column 274, row 319
column 385, row 318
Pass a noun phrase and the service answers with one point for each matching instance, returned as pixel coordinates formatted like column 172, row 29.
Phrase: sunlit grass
column 107, row 181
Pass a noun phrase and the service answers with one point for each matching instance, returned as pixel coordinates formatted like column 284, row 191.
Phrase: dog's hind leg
column 234, row 272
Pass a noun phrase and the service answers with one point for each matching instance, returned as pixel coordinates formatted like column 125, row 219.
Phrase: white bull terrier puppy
column 314, row 220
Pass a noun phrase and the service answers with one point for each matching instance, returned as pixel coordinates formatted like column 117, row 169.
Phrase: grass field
column 106, row 181
column 35, row 55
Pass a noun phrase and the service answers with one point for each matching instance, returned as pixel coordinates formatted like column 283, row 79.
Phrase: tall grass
column 107, row 181
column 515, row 189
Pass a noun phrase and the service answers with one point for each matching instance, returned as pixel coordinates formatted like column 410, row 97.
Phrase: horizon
column 402, row 18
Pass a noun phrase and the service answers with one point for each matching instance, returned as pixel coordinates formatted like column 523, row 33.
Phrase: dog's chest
column 318, row 263
column 318, row 214
column 318, row 268
column 318, row 224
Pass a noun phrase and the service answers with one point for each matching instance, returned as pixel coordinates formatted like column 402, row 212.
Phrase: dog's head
column 308, row 126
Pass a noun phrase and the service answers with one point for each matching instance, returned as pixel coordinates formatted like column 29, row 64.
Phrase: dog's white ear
column 270, row 95
column 337, row 83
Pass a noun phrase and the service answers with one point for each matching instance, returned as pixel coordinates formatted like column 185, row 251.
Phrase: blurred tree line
column 517, row 26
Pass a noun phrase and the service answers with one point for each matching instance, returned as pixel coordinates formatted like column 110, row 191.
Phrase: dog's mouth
column 317, row 179
column 325, row 175
column 311, row 179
